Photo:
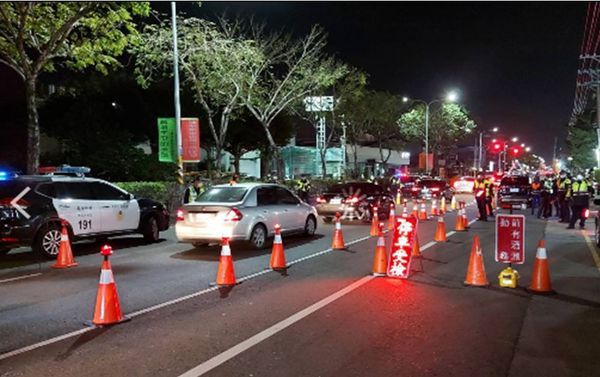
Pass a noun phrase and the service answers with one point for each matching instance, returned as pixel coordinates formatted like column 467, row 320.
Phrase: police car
column 32, row 206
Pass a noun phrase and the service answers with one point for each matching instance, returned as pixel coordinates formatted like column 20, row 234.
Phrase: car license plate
column 335, row 201
column 514, row 189
column 201, row 217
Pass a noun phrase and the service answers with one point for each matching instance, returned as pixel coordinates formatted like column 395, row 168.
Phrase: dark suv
column 31, row 209
column 354, row 200
column 514, row 191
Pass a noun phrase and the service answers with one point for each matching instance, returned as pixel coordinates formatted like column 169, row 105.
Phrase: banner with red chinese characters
column 190, row 139
column 402, row 244
column 510, row 239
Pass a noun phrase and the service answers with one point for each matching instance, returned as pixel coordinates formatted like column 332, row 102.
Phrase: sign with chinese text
column 402, row 244
column 190, row 139
column 510, row 239
column 167, row 140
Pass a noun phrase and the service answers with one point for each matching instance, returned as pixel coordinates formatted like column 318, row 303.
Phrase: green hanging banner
column 167, row 140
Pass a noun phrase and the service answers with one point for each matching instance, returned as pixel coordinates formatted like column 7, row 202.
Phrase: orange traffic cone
column 443, row 205
column 277, row 252
column 65, row 254
column 459, row 226
column 398, row 197
column 338, row 237
column 453, row 203
column 440, row 230
column 108, row 308
column 423, row 212
column 416, row 250
column 540, row 278
column 415, row 211
column 374, row 223
column 225, row 272
column 434, row 209
column 476, row 271
column 392, row 217
column 380, row 261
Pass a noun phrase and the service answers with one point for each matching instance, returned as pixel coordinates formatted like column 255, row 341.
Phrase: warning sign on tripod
column 402, row 244
column 510, row 239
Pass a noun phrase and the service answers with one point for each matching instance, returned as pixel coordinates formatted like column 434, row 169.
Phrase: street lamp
column 480, row 149
column 527, row 149
column 495, row 129
column 522, row 145
column 451, row 96
column 515, row 139
column 405, row 99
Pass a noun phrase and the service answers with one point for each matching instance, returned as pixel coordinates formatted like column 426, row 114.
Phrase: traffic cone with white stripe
column 108, row 308
column 423, row 212
column 416, row 250
column 434, row 209
column 374, row 223
column 415, row 211
column 392, row 217
column 338, row 237
column 443, row 205
column 465, row 219
column 277, row 253
column 453, row 203
column 459, row 225
column 540, row 278
column 476, row 270
column 380, row 261
column 440, row 230
column 65, row 254
column 225, row 272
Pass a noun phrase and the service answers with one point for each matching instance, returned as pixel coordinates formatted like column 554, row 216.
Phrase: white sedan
column 464, row 184
column 244, row 212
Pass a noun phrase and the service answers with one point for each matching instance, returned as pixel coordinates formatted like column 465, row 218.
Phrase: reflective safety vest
column 564, row 184
column 579, row 188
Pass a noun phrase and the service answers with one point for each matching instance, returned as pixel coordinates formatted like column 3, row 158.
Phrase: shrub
column 168, row 193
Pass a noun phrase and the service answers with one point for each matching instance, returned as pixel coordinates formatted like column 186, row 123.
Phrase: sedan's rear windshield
column 223, row 195
column 514, row 181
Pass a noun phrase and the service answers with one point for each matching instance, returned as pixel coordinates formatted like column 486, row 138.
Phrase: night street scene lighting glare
column 515, row 139
column 452, row 96
column 527, row 149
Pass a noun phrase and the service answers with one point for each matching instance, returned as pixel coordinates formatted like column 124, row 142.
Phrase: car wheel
column 47, row 242
column 150, row 230
column 258, row 237
column 310, row 226
column 327, row 220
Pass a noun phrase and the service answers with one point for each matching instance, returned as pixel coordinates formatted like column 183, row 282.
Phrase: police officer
column 193, row 191
column 563, row 188
column 580, row 198
column 536, row 194
column 545, row 210
column 480, row 197
column 234, row 180
column 489, row 195
column 303, row 188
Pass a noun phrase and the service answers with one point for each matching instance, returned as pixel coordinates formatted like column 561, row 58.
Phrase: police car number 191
column 85, row 224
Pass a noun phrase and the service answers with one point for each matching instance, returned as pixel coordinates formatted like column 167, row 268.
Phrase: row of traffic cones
column 540, row 278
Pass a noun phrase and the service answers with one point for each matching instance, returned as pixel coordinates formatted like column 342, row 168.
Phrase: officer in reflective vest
column 580, row 198
column 303, row 188
column 193, row 191
column 489, row 195
column 564, row 187
column 536, row 194
column 479, row 188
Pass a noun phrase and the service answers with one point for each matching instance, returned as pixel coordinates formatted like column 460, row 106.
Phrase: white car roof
column 248, row 185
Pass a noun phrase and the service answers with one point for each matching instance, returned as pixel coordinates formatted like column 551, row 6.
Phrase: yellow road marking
column 592, row 248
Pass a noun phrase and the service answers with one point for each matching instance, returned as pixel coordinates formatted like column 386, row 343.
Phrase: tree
column 447, row 125
column 291, row 70
column 214, row 66
column 582, row 141
column 38, row 37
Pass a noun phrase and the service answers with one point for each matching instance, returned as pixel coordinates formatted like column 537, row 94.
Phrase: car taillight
column 179, row 214
column 321, row 200
column 415, row 189
column 353, row 200
column 233, row 215
column 435, row 189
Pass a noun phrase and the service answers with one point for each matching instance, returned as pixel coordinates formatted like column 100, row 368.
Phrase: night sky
column 514, row 63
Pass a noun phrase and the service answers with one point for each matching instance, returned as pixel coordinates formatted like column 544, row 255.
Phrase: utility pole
column 180, row 171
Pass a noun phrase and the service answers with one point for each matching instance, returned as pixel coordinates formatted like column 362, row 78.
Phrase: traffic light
column 516, row 150
column 497, row 146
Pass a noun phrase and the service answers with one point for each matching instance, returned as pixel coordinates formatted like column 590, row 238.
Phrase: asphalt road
column 324, row 317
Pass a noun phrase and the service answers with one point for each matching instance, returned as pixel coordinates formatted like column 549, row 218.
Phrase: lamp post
column 450, row 97
column 481, row 135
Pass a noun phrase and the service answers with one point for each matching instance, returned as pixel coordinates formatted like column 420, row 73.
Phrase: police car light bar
column 67, row 169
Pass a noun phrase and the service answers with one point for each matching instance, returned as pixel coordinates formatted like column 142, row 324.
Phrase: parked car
column 244, row 212
column 464, row 184
column 92, row 208
column 355, row 200
column 432, row 189
column 514, row 190
column 597, row 223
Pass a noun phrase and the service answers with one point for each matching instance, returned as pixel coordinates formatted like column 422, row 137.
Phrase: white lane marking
column 45, row 343
column 161, row 305
column 269, row 332
column 20, row 277
column 428, row 245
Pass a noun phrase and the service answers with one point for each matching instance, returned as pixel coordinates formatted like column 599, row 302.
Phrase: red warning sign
column 510, row 239
column 402, row 244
